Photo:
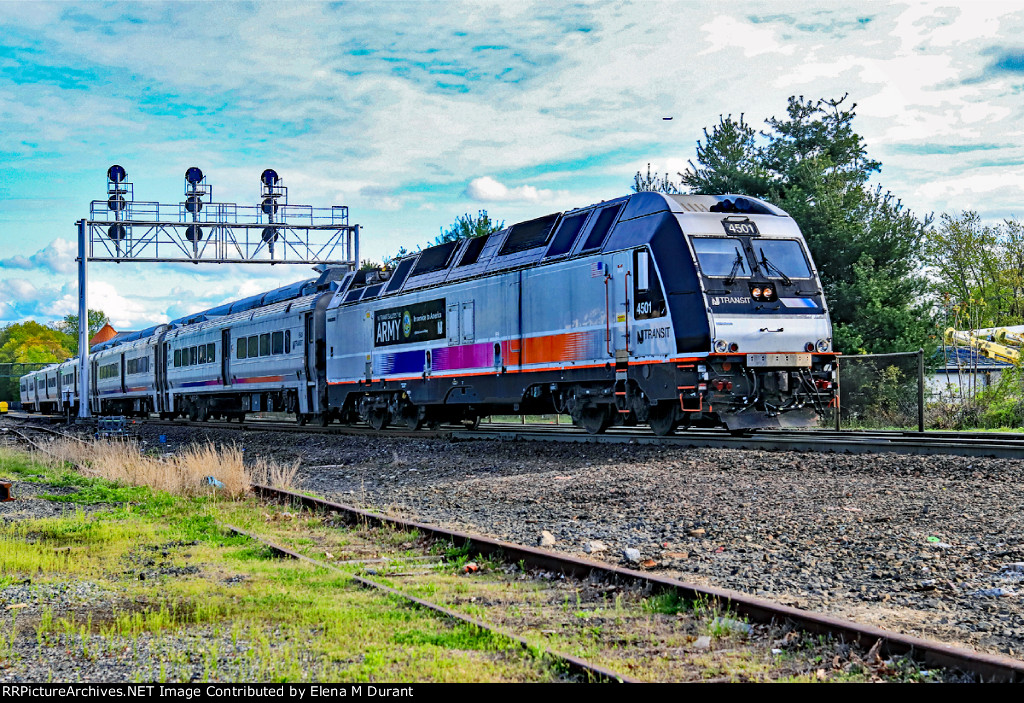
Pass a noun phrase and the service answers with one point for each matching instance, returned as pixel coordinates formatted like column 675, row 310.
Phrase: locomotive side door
column 651, row 333
column 618, row 301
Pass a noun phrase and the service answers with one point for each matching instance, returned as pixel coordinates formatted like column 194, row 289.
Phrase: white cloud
column 58, row 256
column 487, row 189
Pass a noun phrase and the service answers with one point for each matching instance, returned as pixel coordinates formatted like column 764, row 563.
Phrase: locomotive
column 666, row 310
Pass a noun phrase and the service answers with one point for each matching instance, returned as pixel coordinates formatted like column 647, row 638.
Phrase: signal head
column 269, row 178
column 116, row 174
column 194, row 175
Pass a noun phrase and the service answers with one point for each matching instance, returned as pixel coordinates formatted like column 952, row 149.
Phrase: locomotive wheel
column 472, row 423
column 323, row 420
column 378, row 419
column 410, row 417
column 301, row 418
column 662, row 420
column 594, row 420
column 193, row 412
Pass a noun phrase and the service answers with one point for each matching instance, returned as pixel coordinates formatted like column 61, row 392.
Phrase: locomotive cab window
column 781, row 258
column 277, row 343
column 241, row 349
column 721, row 257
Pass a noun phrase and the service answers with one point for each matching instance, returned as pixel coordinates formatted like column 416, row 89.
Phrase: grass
column 183, row 599
column 242, row 614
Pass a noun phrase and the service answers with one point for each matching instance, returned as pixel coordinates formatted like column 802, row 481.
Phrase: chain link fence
column 882, row 391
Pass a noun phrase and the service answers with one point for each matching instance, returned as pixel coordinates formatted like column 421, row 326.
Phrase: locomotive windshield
column 781, row 258
column 719, row 256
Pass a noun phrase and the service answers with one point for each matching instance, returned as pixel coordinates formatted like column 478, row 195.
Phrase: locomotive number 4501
column 746, row 228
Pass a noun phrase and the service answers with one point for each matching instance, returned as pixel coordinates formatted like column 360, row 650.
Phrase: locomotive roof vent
column 731, row 204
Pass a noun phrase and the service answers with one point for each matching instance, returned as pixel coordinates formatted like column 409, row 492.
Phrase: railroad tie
column 5, row 493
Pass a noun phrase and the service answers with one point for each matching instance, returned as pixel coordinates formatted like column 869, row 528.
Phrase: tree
column 865, row 243
column 69, row 326
column 977, row 266
column 467, row 226
column 654, row 182
column 30, row 342
column 730, row 161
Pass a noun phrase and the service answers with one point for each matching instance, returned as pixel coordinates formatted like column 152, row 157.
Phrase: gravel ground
column 930, row 546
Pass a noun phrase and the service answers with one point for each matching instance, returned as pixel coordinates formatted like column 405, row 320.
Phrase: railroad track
column 976, row 444
column 986, row 667
column 970, row 444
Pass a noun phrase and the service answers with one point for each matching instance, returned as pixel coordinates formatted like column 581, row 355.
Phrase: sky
column 414, row 113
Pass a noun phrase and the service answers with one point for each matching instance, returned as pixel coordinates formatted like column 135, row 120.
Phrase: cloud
column 58, row 256
column 487, row 189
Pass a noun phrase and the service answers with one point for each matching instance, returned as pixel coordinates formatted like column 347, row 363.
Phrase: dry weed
column 182, row 474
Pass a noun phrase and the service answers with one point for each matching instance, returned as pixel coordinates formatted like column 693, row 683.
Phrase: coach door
column 160, row 375
column 124, row 388
column 225, row 356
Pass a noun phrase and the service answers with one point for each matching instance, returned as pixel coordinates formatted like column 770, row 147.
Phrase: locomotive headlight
column 721, row 346
column 823, row 345
column 767, row 291
column 756, row 292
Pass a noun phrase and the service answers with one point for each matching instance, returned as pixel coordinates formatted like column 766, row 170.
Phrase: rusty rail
column 987, row 667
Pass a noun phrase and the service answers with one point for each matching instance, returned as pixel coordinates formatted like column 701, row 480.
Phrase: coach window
column 254, row 346
column 202, row 354
column 265, row 344
column 195, row 356
column 277, row 343
column 211, row 352
column 287, row 341
column 177, row 358
column 240, row 354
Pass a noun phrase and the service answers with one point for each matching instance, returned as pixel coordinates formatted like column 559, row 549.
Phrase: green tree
column 978, row 267
column 865, row 243
column 654, row 182
column 29, row 342
column 69, row 327
column 467, row 226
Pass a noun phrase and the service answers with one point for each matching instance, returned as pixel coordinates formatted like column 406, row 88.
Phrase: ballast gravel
column 931, row 546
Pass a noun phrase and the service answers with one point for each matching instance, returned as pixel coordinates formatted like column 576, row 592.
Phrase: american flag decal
column 597, row 269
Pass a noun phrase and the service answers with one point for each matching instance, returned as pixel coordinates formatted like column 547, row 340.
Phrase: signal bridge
column 200, row 230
